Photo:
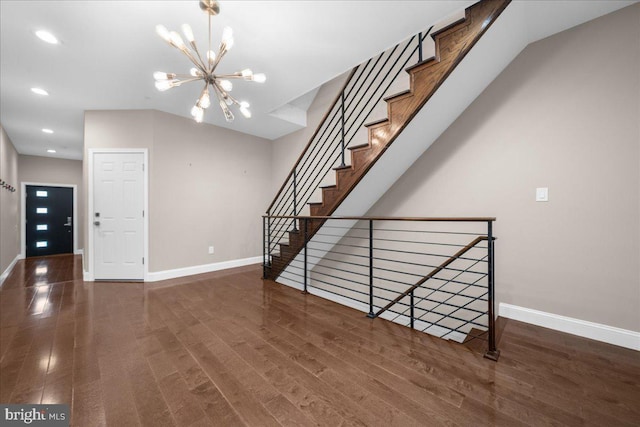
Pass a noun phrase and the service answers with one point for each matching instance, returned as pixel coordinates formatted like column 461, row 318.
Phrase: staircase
column 452, row 45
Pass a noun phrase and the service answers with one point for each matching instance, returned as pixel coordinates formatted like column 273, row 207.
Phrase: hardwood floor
column 229, row 349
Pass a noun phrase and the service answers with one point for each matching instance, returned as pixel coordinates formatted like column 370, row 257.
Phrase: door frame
column 89, row 273
column 23, row 214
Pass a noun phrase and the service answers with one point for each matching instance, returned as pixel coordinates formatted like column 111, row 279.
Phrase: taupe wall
column 9, row 203
column 208, row 186
column 56, row 171
column 564, row 115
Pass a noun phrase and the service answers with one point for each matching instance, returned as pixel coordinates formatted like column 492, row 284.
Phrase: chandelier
column 205, row 67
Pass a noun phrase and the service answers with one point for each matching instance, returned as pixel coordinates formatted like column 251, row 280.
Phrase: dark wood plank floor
column 229, row 349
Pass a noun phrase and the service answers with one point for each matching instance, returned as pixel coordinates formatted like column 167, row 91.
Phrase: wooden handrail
column 434, row 272
column 388, row 218
column 306, row 148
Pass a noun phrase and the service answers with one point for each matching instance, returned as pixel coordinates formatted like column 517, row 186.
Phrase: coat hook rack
column 6, row 186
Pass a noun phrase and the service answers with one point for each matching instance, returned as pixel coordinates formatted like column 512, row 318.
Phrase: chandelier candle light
column 205, row 70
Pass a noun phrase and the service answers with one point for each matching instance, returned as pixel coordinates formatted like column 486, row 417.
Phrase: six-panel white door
column 118, row 216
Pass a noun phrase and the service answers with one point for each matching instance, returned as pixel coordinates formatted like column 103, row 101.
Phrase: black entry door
column 49, row 220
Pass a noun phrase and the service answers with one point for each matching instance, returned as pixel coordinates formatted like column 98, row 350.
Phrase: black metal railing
column 355, row 105
column 436, row 275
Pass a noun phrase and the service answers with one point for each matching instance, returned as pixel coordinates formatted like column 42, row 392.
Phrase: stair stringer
column 493, row 52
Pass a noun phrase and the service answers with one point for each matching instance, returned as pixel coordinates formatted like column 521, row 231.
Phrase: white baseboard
column 79, row 252
column 6, row 272
column 582, row 328
column 87, row 277
column 199, row 269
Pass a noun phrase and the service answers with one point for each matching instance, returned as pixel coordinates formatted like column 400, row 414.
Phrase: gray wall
column 56, row 171
column 208, row 186
column 565, row 115
column 9, row 203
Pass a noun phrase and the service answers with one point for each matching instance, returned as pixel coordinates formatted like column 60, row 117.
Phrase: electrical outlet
column 210, row 249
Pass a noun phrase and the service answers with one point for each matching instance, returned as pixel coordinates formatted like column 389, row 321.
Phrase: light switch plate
column 542, row 194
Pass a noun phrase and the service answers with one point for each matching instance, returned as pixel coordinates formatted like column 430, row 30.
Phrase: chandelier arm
column 219, row 57
column 218, row 91
column 195, row 62
column 186, row 76
column 193, row 79
column 204, row 91
column 202, row 67
column 237, row 75
column 225, row 94
column 235, row 101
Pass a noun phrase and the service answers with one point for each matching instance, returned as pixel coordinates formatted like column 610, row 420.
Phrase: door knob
column 96, row 222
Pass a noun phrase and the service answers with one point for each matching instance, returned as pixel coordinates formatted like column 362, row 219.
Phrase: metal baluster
column 306, row 235
column 371, row 315
column 342, row 164
column 295, row 201
column 264, row 249
column 269, row 238
column 412, row 313
column 493, row 353
column 419, row 47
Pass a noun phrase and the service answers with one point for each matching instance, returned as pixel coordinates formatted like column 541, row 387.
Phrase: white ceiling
column 109, row 51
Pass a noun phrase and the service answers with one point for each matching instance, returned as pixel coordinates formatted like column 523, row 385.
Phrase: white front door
column 118, row 216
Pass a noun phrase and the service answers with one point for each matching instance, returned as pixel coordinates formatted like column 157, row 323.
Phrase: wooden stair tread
column 331, row 187
column 443, row 30
column 397, row 95
column 429, row 61
column 337, row 168
column 359, row 147
column 376, row 122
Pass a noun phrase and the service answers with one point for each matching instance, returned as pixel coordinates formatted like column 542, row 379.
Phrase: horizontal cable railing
column 355, row 105
column 431, row 274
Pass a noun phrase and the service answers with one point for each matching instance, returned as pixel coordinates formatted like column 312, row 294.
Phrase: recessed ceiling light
column 39, row 91
column 47, row 131
column 47, row 37
column 51, row 151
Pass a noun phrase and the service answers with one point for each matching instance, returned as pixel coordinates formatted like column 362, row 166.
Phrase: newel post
column 371, row 315
column 306, row 238
column 492, row 352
